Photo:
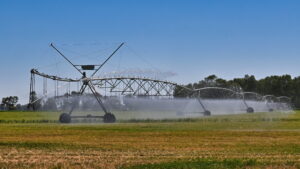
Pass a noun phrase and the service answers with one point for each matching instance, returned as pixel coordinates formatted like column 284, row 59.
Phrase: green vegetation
column 207, row 164
column 259, row 140
column 28, row 117
column 9, row 102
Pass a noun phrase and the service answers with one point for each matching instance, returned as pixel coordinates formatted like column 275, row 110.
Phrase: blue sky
column 192, row 38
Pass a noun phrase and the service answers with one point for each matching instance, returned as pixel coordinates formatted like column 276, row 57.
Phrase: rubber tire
column 250, row 110
column 65, row 118
column 207, row 113
column 271, row 110
column 109, row 118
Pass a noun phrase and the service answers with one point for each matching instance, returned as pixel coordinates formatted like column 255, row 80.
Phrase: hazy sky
column 192, row 38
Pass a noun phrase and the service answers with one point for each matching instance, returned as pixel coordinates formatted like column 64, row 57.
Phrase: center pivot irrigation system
column 134, row 86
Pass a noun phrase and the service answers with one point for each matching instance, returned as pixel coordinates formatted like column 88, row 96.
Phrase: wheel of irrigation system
column 271, row 110
column 109, row 118
column 206, row 113
column 65, row 118
column 250, row 110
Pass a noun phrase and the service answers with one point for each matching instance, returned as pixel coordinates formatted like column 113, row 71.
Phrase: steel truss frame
column 136, row 86
column 121, row 85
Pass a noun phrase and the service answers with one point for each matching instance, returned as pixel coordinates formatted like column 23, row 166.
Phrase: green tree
column 10, row 102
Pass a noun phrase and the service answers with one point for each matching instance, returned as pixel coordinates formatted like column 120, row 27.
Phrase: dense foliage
column 9, row 102
column 283, row 85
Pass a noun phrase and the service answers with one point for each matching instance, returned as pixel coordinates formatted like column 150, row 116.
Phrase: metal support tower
column 108, row 116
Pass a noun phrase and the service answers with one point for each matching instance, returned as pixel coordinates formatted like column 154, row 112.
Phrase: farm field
column 259, row 140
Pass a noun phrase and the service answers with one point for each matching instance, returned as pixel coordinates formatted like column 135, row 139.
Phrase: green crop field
column 259, row 140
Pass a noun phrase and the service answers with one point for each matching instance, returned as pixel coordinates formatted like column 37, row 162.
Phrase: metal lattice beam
column 115, row 85
column 136, row 86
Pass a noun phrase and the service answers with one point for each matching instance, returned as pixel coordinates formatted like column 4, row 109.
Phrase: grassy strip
column 212, row 164
column 35, row 145
column 29, row 121
column 48, row 146
column 52, row 117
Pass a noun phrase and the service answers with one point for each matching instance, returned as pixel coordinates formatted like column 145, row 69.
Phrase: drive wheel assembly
column 65, row 118
column 109, row 118
column 206, row 113
column 250, row 110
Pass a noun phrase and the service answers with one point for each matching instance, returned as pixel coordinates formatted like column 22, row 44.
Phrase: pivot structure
column 195, row 93
column 234, row 93
column 275, row 103
column 108, row 117
column 206, row 112
column 248, row 108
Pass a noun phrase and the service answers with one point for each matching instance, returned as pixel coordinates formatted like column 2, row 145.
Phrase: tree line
column 283, row 85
